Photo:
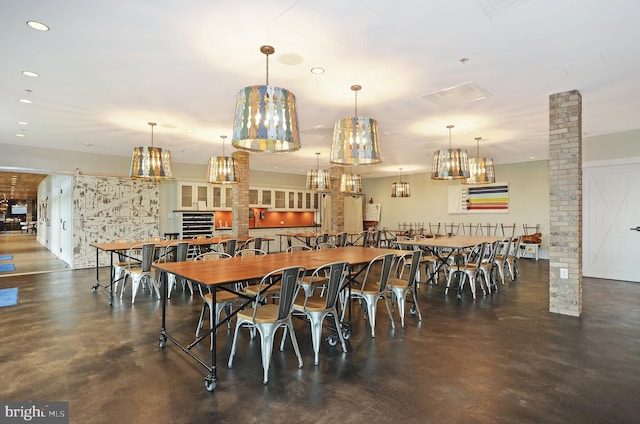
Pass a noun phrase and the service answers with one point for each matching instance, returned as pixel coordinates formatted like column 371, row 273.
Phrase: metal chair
column 400, row 287
column 371, row 290
column 470, row 268
column 177, row 252
column 318, row 307
column 267, row 318
column 224, row 299
column 488, row 263
column 139, row 271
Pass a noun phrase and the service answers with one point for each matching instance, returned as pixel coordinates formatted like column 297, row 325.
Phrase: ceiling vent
column 458, row 94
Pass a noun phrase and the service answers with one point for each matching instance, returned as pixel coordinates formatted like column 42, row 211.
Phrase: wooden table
column 214, row 274
column 114, row 247
column 444, row 247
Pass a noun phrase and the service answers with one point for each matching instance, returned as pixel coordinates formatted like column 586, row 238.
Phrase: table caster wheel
column 346, row 334
column 209, row 384
column 332, row 340
column 163, row 342
column 412, row 310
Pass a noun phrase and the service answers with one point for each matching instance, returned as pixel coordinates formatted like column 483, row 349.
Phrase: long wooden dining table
column 122, row 246
column 216, row 274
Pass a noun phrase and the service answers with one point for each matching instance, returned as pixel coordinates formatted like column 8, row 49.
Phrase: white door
column 611, row 208
column 66, row 217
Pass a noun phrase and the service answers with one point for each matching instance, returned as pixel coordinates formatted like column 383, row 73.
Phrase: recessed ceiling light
column 25, row 101
column 30, row 74
column 87, row 144
column 22, row 123
column 190, row 130
column 20, row 135
column 317, row 70
column 532, row 157
column 38, row 25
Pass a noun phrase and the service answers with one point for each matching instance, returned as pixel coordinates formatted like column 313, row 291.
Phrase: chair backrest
column 325, row 246
column 515, row 247
column 336, row 273
column 415, row 257
column 434, row 228
column 387, row 262
column 250, row 252
column 253, row 243
column 211, row 256
column 490, row 252
column 228, row 246
column 361, row 239
column 476, row 254
column 508, row 230
column 148, row 255
column 341, row 239
column 176, row 251
column 297, row 248
column 289, row 285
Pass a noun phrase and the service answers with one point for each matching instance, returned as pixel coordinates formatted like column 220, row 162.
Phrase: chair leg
column 266, row 337
column 415, row 303
column 371, row 311
column 294, row 342
column 316, row 334
column 386, row 303
column 233, row 345
column 339, row 330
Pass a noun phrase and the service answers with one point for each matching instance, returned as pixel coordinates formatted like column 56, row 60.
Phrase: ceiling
column 108, row 68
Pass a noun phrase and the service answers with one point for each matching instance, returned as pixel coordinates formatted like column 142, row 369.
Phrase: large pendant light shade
column 450, row 164
column 401, row 188
column 318, row 179
column 481, row 170
column 222, row 169
column 355, row 139
column 151, row 162
column 350, row 183
column 266, row 119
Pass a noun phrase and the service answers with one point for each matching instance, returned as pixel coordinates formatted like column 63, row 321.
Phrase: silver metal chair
column 318, row 307
column 267, row 318
column 224, row 299
column 470, row 268
column 400, row 287
column 139, row 271
column 373, row 289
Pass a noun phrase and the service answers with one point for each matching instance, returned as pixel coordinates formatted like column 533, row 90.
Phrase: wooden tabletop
column 453, row 242
column 235, row 269
column 112, row 246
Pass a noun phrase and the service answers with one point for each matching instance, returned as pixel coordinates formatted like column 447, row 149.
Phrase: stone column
column 240, row 191
column 565, row 209
column 337, row 200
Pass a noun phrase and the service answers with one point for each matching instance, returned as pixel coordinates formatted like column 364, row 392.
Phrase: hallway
column 503, row 358
column 29, row 256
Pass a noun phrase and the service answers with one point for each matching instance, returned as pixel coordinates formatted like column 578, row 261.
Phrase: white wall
column 528, row 200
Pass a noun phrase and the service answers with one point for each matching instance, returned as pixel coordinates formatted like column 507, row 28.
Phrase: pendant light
column 450, row 164
column 318, row 179
column 355, row 139
column 400, row 189
column 222, row 169
column 266, row 119
column 151, row 162
column 350, row 183
column 481, row 170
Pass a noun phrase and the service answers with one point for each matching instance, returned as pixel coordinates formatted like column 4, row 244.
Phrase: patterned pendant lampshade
column 355, row 139
column 350, row 183
column 151, row 162
column 481, row 170
column 266, row 119
column 400, row 189
column 222, row 169
column 450, row 164
column 318, row 179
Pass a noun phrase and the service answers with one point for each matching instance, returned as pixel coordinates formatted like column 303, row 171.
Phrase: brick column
column 565, row 209
column 337, row 200
column 240, row 209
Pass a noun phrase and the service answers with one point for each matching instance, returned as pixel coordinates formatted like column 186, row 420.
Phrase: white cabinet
column 192, row 195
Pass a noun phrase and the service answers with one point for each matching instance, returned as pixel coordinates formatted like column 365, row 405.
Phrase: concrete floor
column 501, row 358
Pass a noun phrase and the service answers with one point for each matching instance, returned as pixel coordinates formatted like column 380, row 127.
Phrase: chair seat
column 253, row 290
column 369, row 288
column 398, row 283
column 314, row 304
column 264, row 314
column 221, row 296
